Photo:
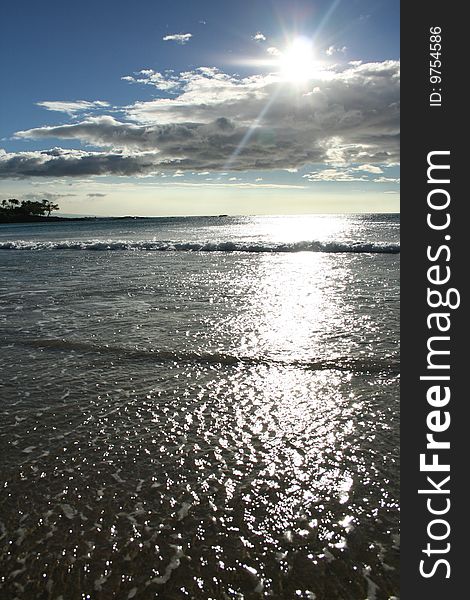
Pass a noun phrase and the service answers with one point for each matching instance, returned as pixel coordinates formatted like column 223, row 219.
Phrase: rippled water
column 200, row 424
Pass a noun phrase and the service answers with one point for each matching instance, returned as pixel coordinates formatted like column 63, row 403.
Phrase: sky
column 201, row 107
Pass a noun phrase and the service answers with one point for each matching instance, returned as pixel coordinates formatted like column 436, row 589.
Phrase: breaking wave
column 155, row 246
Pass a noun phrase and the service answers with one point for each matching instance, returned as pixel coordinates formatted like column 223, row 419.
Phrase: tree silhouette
column 49, row 206
column 13, row 208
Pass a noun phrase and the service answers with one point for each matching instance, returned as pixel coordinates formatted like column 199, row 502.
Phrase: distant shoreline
column 38, row 219
column 41, row 219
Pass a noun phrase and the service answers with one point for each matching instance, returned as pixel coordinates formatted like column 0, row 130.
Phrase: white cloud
column 335, row 175
column 179, row 38
column 273, row 51
column 164, row 82
column 387, row 180
column 369, row 169
column 259, row 37
column 335, row 50
column 359, row 173
column 73, row 107
column 241, row 185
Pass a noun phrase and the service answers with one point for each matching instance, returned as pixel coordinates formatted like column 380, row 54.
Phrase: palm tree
column 49, row 206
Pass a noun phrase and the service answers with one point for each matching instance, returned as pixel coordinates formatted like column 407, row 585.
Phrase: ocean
column 200, row 407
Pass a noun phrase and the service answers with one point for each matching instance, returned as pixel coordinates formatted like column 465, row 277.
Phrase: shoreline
column 39, row 219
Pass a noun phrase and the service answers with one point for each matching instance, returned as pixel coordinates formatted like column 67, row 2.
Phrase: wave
column 162, row 246
column 341, row 363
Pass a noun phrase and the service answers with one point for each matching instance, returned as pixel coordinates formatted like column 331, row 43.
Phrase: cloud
column 259, row 37
column 74, row 163
column 347, row 115
column 368, row 169
column 387, row 180
column 96, row 195
column 359, row 173
column 52, row 197
column 335, row 50
column 241, row 185
column 164, row 82
column 179, row 38
column 73, row 107
column 335, row 175
column 273, row 51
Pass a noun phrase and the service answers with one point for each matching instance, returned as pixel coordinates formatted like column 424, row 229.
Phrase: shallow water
column 200, row 424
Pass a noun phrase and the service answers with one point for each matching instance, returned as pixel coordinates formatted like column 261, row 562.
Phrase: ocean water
column 201, row 407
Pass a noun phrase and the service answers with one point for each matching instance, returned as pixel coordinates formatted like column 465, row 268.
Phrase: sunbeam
column 249, row 133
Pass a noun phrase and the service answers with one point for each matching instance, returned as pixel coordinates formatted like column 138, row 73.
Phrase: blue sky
column 247, row 107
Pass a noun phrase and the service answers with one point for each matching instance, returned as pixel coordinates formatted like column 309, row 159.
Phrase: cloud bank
column 210, row 120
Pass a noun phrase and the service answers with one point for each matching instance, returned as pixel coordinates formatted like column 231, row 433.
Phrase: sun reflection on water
column 246, row 444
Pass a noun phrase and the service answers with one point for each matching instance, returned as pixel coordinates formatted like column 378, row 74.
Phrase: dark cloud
column 74, row 163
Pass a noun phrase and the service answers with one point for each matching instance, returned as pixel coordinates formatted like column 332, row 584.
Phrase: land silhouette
column 13, row 210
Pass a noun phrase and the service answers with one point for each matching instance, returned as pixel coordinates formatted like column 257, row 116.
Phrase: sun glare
column 297, row 62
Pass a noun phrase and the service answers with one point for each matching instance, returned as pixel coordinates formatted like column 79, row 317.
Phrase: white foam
column 68, row 511
column 183, row 511
column 328, row 555
column 171, row 246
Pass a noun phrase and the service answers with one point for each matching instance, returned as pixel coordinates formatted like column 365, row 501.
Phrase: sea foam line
column 163, row 246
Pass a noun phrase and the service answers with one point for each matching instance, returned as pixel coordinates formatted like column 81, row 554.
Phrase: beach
column 200, row 407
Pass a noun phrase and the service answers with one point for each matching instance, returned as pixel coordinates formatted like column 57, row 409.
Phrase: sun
column 297, row 62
